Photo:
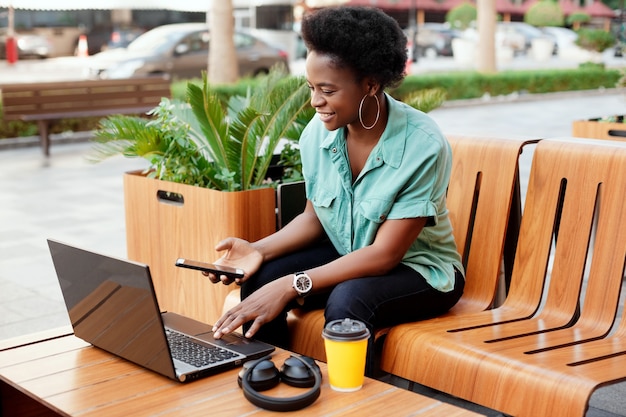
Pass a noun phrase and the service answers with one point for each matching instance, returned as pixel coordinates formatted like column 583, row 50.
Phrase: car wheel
column 261, row 71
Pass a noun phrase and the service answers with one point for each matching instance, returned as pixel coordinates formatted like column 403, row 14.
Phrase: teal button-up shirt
column 405, row 176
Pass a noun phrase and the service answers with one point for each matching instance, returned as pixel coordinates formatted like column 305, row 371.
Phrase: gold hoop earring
column 361, row 113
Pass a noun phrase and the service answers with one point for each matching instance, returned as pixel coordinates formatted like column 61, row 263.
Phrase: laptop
column 112, row 305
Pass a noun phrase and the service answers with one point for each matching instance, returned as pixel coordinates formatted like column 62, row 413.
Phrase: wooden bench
column 549, row 345
column 484, row 205
column 47, row 102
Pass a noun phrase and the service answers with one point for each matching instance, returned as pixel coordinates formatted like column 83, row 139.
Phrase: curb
column 527, row 97
column 56, row 139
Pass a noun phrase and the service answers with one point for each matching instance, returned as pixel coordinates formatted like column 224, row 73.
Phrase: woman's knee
column 346, row 301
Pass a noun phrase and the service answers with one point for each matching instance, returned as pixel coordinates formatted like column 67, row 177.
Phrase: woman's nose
column 316, row 99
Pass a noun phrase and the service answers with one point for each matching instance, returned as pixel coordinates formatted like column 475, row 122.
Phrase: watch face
column 303, row 284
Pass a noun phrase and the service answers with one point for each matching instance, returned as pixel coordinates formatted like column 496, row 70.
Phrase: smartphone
column 218, row 270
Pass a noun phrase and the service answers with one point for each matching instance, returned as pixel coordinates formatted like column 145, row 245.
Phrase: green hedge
column 457, row 86
column 469, row 85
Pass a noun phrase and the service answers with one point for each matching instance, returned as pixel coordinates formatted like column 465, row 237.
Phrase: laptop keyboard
column 185, row 349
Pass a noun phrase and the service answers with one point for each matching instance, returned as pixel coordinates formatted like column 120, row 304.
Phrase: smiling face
column 335, row 92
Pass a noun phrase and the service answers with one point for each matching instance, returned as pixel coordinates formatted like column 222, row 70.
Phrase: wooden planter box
column 594, row 128
column 166, row 220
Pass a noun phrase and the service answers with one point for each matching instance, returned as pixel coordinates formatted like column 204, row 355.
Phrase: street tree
column 222, row 53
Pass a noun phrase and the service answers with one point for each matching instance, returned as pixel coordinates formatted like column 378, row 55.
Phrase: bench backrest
column 482, row 194
column 572, row 243
column 20, row 100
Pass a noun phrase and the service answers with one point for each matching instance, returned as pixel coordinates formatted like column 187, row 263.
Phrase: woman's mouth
column 325, row 117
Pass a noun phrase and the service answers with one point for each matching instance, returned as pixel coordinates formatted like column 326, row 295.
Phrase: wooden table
column 66, row 376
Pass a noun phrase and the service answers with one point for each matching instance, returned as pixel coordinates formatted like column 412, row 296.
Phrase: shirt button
column 382, row 217
column 334, row 150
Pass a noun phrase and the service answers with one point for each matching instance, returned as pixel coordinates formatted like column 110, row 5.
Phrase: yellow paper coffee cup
column 346, row 349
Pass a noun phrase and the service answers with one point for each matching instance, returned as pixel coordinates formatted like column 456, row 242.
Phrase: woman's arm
column 299, row 233
column 393, row 239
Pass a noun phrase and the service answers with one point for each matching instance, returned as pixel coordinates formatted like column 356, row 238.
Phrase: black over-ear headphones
column 297, row 371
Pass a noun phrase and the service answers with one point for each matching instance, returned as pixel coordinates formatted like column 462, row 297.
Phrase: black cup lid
column 346, row 329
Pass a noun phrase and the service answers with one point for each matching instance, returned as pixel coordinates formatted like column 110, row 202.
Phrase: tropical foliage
column 207, row 142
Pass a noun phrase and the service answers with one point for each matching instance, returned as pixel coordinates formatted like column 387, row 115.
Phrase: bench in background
column 46, row 102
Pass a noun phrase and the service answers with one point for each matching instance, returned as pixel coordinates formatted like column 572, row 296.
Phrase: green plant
column 426, row 100
column 545, row 13
column 595, row 39
column 622, row 79
column 211, row 143
column 577, row 18
column 462, row 15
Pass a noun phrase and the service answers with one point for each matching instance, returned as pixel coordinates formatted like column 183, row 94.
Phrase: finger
column 224, row 244
column 229, row 325
column 212, row 277
column 256, row 325
column 228, row 317
column 226, row 280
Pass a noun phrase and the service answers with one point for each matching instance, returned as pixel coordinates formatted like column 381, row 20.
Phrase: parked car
column 433, row 39
column 181, row 51
column 518, row 35
column 29, row 45
column 101, row 38
column 564, row 38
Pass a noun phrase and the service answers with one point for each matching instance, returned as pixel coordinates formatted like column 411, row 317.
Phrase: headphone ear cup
column 263, row 376
column 297, row 374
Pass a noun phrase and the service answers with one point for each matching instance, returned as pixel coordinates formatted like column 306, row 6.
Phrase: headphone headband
column 283, row 404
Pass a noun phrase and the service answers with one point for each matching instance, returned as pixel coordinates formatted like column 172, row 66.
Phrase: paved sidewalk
column 66, row 198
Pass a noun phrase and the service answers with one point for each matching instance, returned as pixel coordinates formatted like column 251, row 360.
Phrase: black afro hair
column 364, row 39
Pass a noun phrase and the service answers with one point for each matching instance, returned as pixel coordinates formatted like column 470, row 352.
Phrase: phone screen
column 215, row 269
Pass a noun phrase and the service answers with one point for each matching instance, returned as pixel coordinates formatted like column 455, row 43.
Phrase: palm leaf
column 246, row 132
column 209, row 129
column 129, row 136
column 286, row 102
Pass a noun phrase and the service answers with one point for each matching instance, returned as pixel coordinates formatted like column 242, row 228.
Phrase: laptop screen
column 111, row 304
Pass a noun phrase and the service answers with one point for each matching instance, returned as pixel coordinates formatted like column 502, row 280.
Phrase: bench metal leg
column 44, row 137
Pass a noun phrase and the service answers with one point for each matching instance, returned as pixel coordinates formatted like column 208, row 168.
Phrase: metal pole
column 413, row 25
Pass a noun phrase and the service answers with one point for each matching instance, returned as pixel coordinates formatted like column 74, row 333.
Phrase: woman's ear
column 373, row 87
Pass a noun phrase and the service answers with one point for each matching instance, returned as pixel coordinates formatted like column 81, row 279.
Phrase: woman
column 374, row 242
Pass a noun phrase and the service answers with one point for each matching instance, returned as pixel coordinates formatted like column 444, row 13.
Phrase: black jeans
column 400, row 296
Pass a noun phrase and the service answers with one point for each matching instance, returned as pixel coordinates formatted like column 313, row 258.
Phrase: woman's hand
column 239, row 254
column 262, row 306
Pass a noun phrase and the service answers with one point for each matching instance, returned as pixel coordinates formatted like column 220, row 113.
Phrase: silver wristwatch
column 302, row 283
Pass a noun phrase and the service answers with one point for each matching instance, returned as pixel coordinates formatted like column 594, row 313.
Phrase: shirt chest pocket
column 374, row 210
column 330, row 211
column 323, row 199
